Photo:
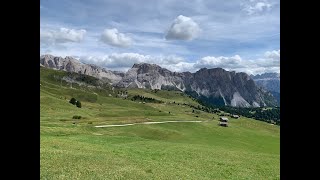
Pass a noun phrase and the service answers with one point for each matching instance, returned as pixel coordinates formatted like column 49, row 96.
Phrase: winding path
column 161, row 122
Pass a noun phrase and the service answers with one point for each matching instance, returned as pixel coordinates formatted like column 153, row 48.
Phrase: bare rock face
column 213, row 86
column 71, row 64
column 216, row 86
column 150, row 76
column 270, row 82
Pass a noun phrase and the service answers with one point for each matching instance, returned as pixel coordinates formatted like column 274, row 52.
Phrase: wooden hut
column 223, row 121
column 235, row 116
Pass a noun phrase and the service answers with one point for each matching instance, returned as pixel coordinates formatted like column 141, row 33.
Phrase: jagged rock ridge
column 71, row 64
column 214, row 86
column 270, row 82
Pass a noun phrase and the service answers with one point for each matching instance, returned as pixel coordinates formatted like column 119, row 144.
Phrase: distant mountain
column 270, row 82
column 213, row 86
column 71, row 64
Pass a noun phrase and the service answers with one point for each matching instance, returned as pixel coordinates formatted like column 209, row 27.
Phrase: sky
column 237, row 35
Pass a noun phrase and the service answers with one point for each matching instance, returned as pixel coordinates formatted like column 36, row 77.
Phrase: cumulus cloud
column 180, row 67
column 256, row 7
column 269, row 62
column 114, row 38
column 274, row 55
column 63, row 35
column 223, row 62
column 183, row 28
column 124, row 61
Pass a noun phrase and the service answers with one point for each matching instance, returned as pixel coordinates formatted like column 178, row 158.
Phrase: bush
column 76, row 117
column 78, row 104
column 73, row 101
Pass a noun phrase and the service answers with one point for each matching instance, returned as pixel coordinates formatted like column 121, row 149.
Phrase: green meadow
column 76, row 149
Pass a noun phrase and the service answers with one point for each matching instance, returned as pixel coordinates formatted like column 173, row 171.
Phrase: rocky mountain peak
column 220, row 86
column 70, row 64
column 214, row 86
column 146, row 66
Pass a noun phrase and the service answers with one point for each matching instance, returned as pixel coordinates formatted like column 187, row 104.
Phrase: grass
column 247, row 149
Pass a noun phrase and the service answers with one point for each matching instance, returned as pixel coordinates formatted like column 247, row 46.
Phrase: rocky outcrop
column 269, row 82
column 216, row 86
column 71, row 64
column 213, row 86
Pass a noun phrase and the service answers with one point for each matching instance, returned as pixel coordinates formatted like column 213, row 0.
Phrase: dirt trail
column 161, row 122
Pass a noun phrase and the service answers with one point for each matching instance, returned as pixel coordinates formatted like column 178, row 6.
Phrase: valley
column 77, row 149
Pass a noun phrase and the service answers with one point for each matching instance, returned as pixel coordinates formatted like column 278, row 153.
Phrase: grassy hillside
column 75, row 149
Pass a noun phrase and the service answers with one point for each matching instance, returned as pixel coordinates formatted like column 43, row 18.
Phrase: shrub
column 78, row 104
column 73, row 101
column 76, row 117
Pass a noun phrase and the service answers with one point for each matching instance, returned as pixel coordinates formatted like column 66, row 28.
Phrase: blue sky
column 240, row 35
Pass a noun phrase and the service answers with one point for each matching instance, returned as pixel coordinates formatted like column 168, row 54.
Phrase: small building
column 223, row 121
column 224, row 124
column 235, row 116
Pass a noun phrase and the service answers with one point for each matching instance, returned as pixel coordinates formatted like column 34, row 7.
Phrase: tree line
column 145, row 99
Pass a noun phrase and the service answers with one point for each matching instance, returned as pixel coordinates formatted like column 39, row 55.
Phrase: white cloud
column 270, row 62
column 180, row 67
column 256, row 7
column 274, row 55
column 63, row 35
column 117, row 61
column 115, row 38
column 124, row 61
column 223, row 62
column 183, row 28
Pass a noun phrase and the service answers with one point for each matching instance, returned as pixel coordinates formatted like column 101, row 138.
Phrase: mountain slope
column 76, row 149
column 270, row 82
column 214, row 86
column 71, row 64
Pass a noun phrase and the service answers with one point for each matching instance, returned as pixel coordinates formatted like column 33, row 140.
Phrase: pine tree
column 78, row 104
column 73, row 101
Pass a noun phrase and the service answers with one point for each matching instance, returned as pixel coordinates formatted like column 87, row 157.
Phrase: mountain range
column 214, row 86
column 270, row 82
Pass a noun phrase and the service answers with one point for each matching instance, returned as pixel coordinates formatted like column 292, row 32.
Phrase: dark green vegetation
column 76, row 117
column 262, row 114
column 247, row 149
column 145, row 99
column 78, row 104
column 75, row 102
column 269, row 114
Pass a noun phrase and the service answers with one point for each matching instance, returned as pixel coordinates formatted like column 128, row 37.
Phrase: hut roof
column 223, row 118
